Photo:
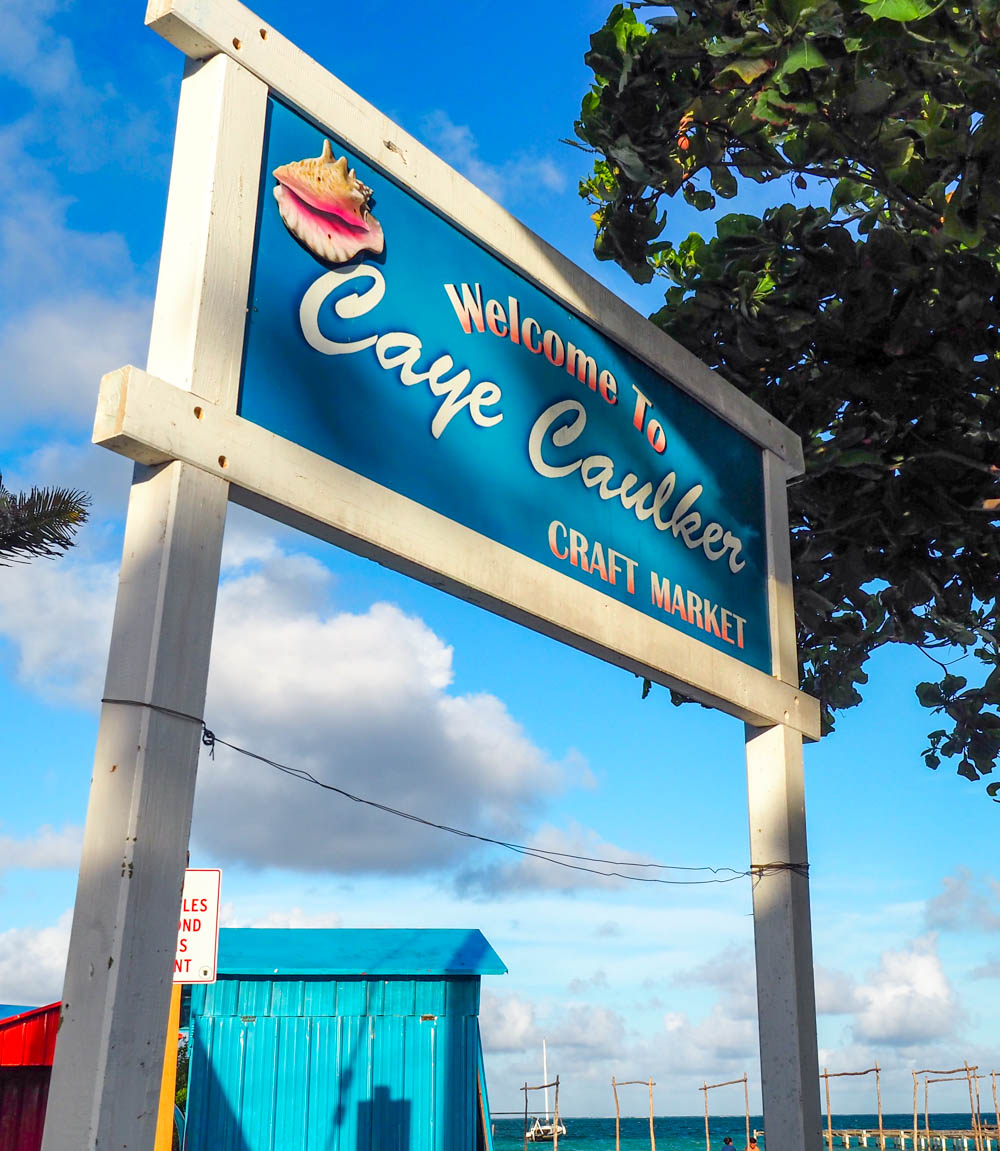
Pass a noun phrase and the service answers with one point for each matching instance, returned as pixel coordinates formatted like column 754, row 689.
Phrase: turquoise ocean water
column 687, row 1132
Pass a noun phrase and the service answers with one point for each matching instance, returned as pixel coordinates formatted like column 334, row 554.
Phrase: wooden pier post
column 615, row 1084
column 746, row 1104
column 829, row 1114
column 618, row 1117
column 878, row 1097
column 996, row 1109
column 525, row 1090
column 927, row 1115
column 914, row 1074
column 555, row 1128
column 973, row 1078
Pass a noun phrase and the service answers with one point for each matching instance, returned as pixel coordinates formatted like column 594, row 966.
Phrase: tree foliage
column 865, row 318
column 41, row 522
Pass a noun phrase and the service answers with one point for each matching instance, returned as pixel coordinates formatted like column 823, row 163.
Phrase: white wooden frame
column 178, row 421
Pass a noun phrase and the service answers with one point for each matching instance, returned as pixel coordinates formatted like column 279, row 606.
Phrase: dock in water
column 897, row 1140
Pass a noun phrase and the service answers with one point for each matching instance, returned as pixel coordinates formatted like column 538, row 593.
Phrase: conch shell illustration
column 325, row 207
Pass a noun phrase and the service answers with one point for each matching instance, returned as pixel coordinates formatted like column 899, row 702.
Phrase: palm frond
column 41, row 522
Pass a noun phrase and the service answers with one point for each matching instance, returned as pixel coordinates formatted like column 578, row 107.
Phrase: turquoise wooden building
column 340, row 1040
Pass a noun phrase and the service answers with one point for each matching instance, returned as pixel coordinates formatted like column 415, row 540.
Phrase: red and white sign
column 198, row 927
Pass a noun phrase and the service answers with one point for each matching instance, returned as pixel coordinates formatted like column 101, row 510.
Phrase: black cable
column 560, row 858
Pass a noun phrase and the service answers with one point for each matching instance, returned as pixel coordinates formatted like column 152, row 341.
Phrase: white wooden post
column 786, row 1001
column 786, row 997
column 108, row 1061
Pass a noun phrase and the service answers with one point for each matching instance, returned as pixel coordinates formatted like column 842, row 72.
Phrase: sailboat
column 545, row 1132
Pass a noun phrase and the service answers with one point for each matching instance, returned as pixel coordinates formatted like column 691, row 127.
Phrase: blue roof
column 7, row 1010
column 355, row 951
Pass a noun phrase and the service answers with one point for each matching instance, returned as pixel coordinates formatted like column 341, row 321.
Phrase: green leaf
column 929, row 694
column 804, row 57
column 899, row 10
column 698, row 198
column 41, row 522
column 845, row 192
column 764, row 108
column 736, row 224
column 795, row 148
column 745, row 71
column 857, row 457
column 723, row 181
column 794, row 10
column 896, row 153
column 870, row 95
column 725, row 45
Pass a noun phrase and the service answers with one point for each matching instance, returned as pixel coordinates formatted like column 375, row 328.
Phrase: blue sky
column 416, row 699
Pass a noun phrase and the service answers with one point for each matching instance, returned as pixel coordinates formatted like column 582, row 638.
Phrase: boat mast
column 545, row 1079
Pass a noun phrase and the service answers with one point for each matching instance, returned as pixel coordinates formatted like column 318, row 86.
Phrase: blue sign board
column 384, row 338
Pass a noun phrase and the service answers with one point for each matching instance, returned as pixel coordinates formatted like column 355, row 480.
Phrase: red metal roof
column 29, row 1039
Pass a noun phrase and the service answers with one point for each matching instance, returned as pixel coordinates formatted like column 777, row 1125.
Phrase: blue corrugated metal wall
column 334, row 1065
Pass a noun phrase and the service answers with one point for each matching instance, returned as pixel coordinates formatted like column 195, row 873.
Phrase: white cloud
column 521, row 176
column 43, row 258
column 105, row 478
column 86, row 125
column 720, row 1045
column 965, row 903
column 244, row 545
column 908, row 999
column 732, row 972
column 530, row 873
column 588, row 1042
column 57, row 614
column 46, row 850
column 988, row 970
column 512, row 1025
column 595, row 982
column 70, row 305
column 362, row 701
column 723, row 1042
column 588, row 1027
column 54, row 354
column 294, row 917
column 33, row 961
column 31, row 53
column 836, row 992
column 508, row 1023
